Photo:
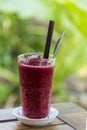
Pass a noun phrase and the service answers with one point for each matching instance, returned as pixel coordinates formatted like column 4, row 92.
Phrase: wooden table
column 71, row 117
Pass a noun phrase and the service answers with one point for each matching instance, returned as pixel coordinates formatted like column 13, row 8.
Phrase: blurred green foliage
column 23, row 28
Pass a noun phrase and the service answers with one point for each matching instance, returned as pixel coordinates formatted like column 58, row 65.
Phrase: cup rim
column 23, row 56
column 34, row 53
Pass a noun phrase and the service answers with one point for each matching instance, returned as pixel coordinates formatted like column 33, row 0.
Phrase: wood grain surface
column 71, row 117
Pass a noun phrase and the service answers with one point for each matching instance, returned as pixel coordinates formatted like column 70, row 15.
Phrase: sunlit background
column 23, row 28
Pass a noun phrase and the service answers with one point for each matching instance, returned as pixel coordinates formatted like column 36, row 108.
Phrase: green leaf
column 8, row 75
column 5, row 90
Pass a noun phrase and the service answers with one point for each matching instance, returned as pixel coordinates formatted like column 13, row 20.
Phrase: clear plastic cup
column 35, row 78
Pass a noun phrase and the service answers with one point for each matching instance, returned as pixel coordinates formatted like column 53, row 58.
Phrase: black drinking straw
column 48, row 39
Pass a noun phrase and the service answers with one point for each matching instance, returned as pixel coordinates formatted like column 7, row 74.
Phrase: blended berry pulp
column 36, row 87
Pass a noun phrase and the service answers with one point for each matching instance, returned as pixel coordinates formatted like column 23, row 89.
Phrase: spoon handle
column 57, row 44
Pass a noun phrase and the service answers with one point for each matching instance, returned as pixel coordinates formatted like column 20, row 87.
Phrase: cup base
column 35, row 122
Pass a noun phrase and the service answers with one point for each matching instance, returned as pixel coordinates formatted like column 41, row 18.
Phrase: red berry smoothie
column 35, row 76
